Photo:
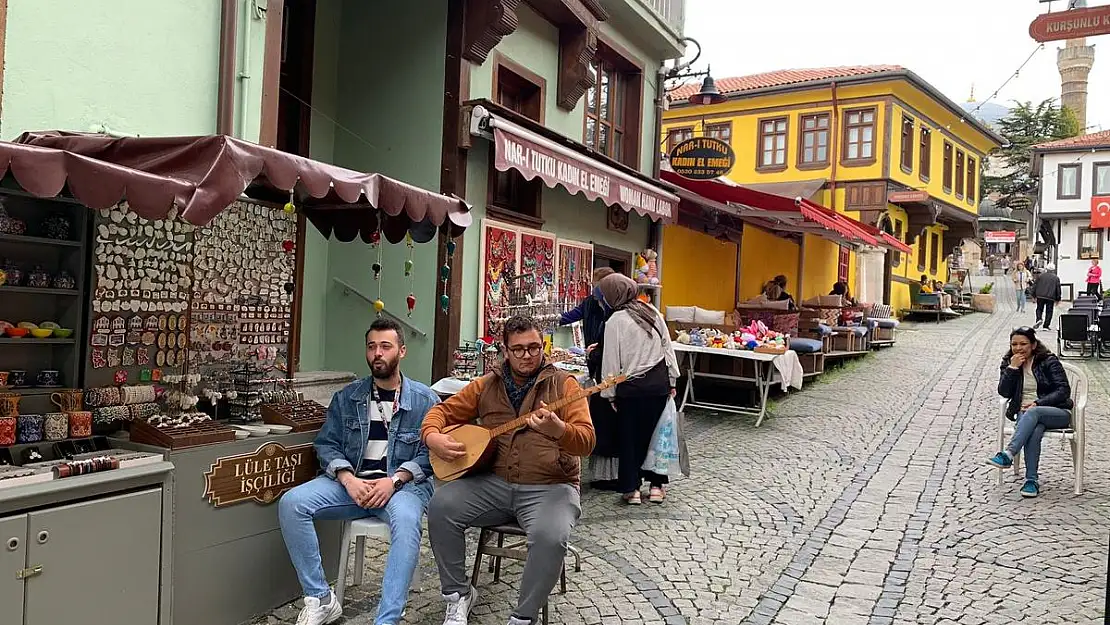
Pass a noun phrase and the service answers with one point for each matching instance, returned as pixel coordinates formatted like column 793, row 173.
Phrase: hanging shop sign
column 999, row 236
column 702, row 158
column 908, row 197
column 1071, row 24
column 533, row 155
column 262, row 475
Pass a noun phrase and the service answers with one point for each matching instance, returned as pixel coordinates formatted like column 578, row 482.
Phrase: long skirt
column 607, row 449
column 636, row 421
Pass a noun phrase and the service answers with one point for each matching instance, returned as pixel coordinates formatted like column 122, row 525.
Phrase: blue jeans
column 325, row 499
column 1020, row 299
column 1029, row 431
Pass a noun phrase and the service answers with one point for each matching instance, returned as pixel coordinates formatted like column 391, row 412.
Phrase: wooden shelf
column 35, row 291
column 19, row 238
column 30, row 339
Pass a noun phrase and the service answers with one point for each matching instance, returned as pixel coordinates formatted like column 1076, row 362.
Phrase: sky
column 952, row 44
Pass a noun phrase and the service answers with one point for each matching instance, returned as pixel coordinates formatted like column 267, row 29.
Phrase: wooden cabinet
column 95, row 562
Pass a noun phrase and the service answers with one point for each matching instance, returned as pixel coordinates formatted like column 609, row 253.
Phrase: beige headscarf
column 619, row 292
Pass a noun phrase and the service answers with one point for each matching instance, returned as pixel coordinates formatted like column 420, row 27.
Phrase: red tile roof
column 780, row 78
column 1093, row 140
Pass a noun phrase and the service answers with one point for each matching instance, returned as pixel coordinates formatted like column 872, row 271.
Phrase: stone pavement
column 864, row 499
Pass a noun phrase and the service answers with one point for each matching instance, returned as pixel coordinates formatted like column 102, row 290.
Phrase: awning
column 202, row 176
column 533, row 155
column 826, row 222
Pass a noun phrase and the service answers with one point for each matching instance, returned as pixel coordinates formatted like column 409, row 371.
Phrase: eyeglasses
column 520, row 350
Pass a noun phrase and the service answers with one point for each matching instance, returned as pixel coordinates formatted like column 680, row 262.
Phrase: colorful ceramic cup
column 7, row 431
column 80, row 424
column 3, row 378
column 17, row 377
column 55, row 426
column 28, row 428
column 9, row 404
column 49, row 377
column 68, row 400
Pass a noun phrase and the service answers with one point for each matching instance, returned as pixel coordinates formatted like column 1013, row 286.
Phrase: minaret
column 1074, row 61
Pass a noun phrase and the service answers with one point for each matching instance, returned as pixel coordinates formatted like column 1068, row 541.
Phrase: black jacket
column 1053, row 388
column 1047, row 286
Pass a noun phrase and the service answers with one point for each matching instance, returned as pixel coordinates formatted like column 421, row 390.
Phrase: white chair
column 358, row 530
column 1075, row 435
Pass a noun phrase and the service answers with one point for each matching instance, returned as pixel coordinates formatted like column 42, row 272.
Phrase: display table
column 765, row 374
column 93, row 549
column 230, row 563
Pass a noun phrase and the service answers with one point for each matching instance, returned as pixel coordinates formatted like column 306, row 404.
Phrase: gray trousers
column 546, row 513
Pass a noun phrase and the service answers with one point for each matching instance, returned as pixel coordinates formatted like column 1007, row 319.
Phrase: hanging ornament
column 408, row 267
column 379, row 306
column 450, row 247
column 290, row 287
column 375, row 237
column 377, row 269
column 290, row 207
column 411, row 302
column 287, row 245
column 444, row 302
column 445, row 272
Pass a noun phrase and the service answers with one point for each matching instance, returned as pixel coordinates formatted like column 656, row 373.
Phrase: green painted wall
column 141, row 67
column 390, row 107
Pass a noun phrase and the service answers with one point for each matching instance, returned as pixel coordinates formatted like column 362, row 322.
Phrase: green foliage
column 1024, row 127
column 986, row 288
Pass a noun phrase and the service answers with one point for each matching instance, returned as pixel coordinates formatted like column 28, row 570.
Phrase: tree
column 1025, row 126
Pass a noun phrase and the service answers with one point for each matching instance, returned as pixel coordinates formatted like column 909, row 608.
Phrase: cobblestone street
column 863, row 499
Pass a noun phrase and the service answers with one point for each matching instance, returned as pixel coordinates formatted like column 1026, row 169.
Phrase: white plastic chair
column 358, row 530
column 1075, row 435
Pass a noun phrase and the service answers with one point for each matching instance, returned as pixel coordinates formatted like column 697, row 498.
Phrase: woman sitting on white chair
column 1034, row 381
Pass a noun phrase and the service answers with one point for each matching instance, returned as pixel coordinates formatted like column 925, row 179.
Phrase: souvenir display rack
column 193, row 435
column 249, row 382
column 301, row 415
column 43, row 254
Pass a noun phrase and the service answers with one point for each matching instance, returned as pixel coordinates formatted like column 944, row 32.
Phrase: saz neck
column 522, row 420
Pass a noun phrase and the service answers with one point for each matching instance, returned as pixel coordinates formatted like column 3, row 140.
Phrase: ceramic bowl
column 63, row 333
column 280, row 429
column 241, row 434
column 41, row 333
column 17, row 333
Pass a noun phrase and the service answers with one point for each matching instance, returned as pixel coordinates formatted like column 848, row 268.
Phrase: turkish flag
column 1100, row 211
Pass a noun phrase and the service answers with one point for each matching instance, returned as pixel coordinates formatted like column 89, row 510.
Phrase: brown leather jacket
column 524, row 456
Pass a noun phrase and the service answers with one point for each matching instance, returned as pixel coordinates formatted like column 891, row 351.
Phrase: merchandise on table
column 756, row 336
column 29, row 428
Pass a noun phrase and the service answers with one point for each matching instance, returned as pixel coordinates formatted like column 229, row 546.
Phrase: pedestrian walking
column 1046, row 289
column 1006, row 265
column 1094, row 279
column 638, row 344
column 1036, row 385
column 1021, row 282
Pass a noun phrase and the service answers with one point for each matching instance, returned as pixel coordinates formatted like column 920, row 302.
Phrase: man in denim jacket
column 374, row 464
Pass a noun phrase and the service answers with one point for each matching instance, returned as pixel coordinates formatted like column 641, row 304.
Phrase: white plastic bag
column 663, row 456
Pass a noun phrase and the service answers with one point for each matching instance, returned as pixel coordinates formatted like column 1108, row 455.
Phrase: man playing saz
column 535, row 476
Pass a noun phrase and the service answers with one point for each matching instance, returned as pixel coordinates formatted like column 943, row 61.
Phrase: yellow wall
column 764, row 256
column 697, row 270
column 935, row 183
column 908, row 267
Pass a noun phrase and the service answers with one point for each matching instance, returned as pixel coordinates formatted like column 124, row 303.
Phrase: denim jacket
column 341, row 443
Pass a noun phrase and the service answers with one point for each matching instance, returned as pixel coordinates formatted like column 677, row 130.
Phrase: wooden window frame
column 949, row 151
column 1078, row 167
column 843, row 263
column 515, row 75
column 922, row 251
column 906, row 148
column 760, row 136
column 1079, row 244
column 896, row 260
column 960, row 173
column 816, row 132
column 630, row 74
column 972, row 179
column 925, row 153
column 708, row 128
column 847, row 128
column 1094, row 177
column 671, row 132
column 934, row 253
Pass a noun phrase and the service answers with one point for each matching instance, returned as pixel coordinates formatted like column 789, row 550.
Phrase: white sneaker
column 317, row 613
column 518, row 621
column 458, row 608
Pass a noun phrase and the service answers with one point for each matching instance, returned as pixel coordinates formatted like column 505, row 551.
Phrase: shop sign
column 1071, row 24
column 262, row 475
column 577, row 175
column 999, row 236
column 702, row 158
column 908, row 197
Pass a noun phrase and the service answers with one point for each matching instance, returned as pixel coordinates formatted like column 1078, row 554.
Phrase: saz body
column 478, row 440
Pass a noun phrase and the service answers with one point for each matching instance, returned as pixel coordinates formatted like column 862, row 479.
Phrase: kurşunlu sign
column 1071, row 24
column 262, row 475
column 702, row 158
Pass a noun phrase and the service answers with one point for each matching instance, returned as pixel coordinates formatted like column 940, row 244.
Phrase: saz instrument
column 478, row 439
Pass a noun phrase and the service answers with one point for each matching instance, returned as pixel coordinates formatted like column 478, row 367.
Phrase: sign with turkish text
column 1100, row 211
column 1000, row 236
column 908, row 197
column 702, row 158
column 1071, row 24
column 262, row 475
column 578, row 174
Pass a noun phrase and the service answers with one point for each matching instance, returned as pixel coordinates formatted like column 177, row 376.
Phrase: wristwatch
column 397, row 484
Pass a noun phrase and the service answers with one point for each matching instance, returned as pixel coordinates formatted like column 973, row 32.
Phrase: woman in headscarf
column 637, row 344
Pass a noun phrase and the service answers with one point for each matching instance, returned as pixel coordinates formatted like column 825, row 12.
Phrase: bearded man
column 374, row 465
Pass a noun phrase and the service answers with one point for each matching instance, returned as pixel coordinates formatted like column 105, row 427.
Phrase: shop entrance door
column 619, row 261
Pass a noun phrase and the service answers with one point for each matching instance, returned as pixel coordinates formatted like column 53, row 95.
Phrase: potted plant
column 983, row 301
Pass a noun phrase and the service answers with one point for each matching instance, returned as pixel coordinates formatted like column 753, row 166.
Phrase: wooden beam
column 225, row 98
column 271, row 73
column 3, row 43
